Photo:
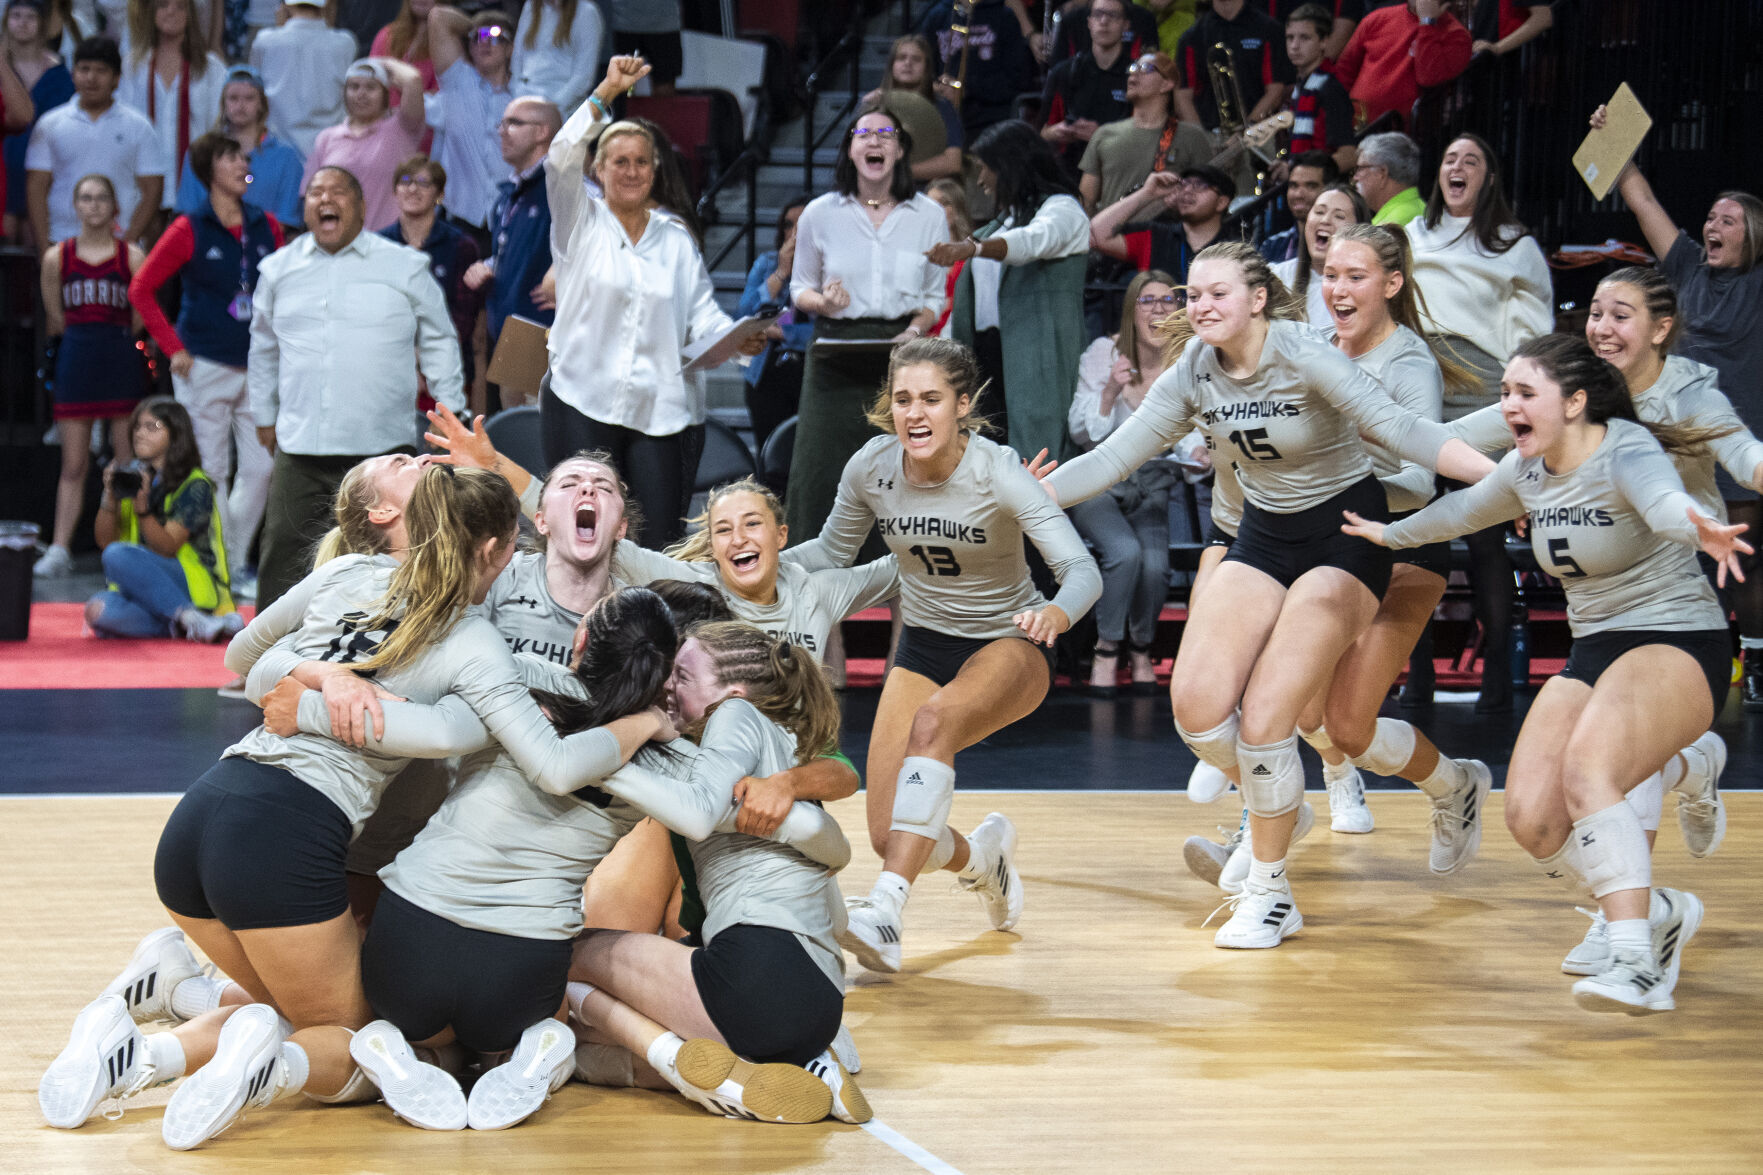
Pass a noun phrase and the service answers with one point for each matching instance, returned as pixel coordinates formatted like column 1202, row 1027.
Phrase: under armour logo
column 1556, row 874
column 1261, row 769
column 1206, row 377
column 884, row 483
column 1586, row 839
column 527, row 600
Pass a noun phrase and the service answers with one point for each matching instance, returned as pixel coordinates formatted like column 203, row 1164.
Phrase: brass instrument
column 959, row 23
column 1237, row 137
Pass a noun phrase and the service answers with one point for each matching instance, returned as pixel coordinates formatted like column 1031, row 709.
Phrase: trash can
column 18, row 551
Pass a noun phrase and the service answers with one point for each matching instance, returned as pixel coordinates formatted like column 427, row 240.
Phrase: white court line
column 978, row 791
column 879, row 1129
column 92, row 795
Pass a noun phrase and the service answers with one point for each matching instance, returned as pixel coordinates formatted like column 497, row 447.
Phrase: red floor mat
column 60, row 656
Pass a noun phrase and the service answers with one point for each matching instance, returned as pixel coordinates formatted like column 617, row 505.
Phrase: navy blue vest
column 520, row 242
column 219, row 270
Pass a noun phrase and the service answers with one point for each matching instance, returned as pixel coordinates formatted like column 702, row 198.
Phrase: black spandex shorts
column 1218, row 538
column 1434, row 557
column 766, row 996
column 940, row 657
column 1711, row 647
column 1285, row 546
column 254, row 847
column 423, row 972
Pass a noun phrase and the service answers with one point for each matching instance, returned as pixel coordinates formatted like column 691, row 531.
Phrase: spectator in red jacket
column 1397, row 51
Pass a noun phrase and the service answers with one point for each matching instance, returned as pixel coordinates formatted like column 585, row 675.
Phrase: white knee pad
column 1648, row 800
column 1557, row 868
column 357, row 1089
column 1391, row 748
column 923, row 796
column 1318, row 739
column 1273, row 777
column 1609, row 849
column 1216, row 747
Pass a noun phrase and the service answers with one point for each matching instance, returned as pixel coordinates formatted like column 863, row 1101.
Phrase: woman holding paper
column 1719, row 286
column 860, row 269
column 632, row 293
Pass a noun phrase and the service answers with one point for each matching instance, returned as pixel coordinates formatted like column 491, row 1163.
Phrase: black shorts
column 424, row 972
column 254, row 847
column 766, row 996
column 663, row 51
column 1434, row 557
column 1285, row 546
column 1218, row 538
column 1711, row 647
column 939, row 656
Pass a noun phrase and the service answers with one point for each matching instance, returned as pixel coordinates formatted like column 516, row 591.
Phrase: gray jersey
column 1686, row 393
column 1227, row 495
column 1406, row 368
column 1292, row 428
column 959, row 543
column 519, row 604
column 743, row 879
column 1614, row 531
column 808, row 603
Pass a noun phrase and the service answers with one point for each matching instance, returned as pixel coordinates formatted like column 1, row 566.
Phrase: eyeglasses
column 149, row 424
column 491, row 32
column 513, row 122
column 1141, row 67
column 415, row 181
column 1101, row 14
column 1193, row 181
column 886, row 134
column 1166, row 301
column 1367, row 167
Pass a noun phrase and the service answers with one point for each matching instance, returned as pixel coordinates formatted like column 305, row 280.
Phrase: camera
column 125, row 483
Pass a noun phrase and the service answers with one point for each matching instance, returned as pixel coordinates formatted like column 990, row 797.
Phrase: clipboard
column 521, row 358
column 853, row 346
column 1601, row 158
column 707, row 353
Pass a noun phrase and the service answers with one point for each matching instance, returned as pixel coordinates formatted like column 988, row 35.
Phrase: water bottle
column 1520, row 646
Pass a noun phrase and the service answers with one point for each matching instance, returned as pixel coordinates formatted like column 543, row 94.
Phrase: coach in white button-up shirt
column 632, row 291
column 341, row 321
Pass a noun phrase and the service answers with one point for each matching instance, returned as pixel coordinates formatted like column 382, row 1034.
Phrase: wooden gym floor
column 1415, row 1024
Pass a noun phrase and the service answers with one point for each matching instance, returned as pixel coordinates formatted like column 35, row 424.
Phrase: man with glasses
column 1154, row 138
column 520, row 226
column 1089, row 89
column 1388, row 176
column 473, row 62
column 1200, row 197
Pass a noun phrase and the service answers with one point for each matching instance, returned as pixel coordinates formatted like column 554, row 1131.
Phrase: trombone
column 1233, row 115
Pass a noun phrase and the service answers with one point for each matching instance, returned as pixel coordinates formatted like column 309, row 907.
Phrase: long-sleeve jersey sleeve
column 1051, row 531
column 807, row 828
column 1489, row 502
column 693, row 807
column 847, row 526
column 1376, row 413
column 282, row 617
column 1484, row 430
column 1166, row 415
column 1651, row 485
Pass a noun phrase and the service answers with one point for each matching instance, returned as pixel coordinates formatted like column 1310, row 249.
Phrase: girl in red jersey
column 98, row 372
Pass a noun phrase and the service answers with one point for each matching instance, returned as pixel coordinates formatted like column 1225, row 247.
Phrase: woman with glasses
column 1129, row 525
column 214, row 254
column 861, row 270
column 418, row 190
column 1019, row 301
column 275, row 164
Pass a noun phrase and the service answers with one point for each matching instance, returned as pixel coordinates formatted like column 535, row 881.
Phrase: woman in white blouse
column 171, row 78
column 1485, row 291
column 860, row 269
column 632, row 291
column 556, row 47
column 1129, row 525
column 1019, row 301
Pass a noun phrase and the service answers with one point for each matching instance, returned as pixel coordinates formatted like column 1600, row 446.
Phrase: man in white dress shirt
column 335, row 319
column 302, row 64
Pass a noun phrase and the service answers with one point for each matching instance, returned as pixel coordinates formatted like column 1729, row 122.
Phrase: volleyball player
column 1288, row 599
column 976, row 653
column 1651, row 658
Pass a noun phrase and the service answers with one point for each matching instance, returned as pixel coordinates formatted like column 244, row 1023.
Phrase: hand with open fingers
column 281, row 708
column 1039, row 466
column 1355, row 525
column 467, row 448
column 1043, row 627
column 765, row 801
column 1722, row 544
column 354, row 704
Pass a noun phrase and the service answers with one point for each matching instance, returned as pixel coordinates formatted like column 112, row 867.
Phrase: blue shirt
column 798, row 327
column 275, row 183
column 52, row 89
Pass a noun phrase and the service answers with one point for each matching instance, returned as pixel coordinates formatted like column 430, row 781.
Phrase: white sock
column 295, row 1068
column 1333, row 773
column 1631, row 935
column 1446, row 778
column 942, row 852
column 575, row 993
column 165, row 1053
column 197, row 995
column 662, row 1051
column 1268, row 874
column 1677, row 769
column 891, row 891
column 1751, row 642
column 978, row 864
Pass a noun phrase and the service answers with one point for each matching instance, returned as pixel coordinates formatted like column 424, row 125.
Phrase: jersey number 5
column 1254, row 444
column 1561, row 559
column 937, row 560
